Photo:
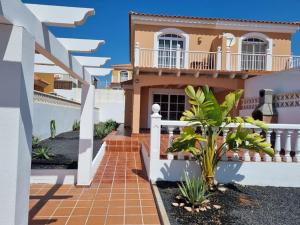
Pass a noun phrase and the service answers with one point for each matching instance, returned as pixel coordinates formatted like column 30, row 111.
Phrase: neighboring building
column 120, row 73
column 44, row 82
column 169, row 52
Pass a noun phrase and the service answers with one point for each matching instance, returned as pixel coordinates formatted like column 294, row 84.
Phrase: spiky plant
column 213, row 118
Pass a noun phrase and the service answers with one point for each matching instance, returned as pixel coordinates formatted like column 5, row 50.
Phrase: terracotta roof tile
column 216, row 19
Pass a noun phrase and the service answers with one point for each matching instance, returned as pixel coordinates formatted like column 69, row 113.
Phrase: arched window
column 123, row 75
column 254, row 52
column 167, row 46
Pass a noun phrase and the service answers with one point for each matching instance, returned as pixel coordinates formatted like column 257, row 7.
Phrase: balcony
column 213, row 61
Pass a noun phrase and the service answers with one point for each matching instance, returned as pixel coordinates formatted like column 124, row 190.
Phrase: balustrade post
column 178, row 51
column 288, row 147
column 291, row 62
column 297, row 148
column 228, row 59
column 219, row 58
column 257, row 157
column 170, row 139
column 269, row 60
column 154, row 140
column 277, row 157
column 225, row 132
column 137, row 54
column 268, row 158
column 246, row 156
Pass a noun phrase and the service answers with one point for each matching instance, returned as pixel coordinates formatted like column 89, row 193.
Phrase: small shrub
column 76, row 125
column 35, row 142
column 112, row 124
column 193, row 191
column 42, row 152
column 101, row 130
column 52, row 129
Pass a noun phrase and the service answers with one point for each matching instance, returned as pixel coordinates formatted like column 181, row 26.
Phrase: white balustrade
column 205, row 60
column 277, row 148
column 268, row 158
column 281, row 137
column 288, row 146
column 257, row 157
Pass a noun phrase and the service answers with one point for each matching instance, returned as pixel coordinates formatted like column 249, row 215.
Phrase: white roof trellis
column 56, row 50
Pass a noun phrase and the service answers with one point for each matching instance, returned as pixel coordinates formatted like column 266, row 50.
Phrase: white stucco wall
column 111, row 103
column 281, row 82
column 43, row 113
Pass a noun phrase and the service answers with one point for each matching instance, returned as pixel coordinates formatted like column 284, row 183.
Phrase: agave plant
column 193, row 191
column 35, row 142
column 213, row 118
column 42, row 153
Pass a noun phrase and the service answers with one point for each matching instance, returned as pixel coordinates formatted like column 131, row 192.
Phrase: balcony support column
column 228, row 59
column 136, row 110
column 219, row 59
column 269, row 60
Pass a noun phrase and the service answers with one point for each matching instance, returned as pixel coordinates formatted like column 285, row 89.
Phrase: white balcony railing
column 200, row 60
column 287, row 137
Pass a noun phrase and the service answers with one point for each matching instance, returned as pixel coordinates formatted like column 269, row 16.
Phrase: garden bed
column 240, row 205
column 65, row 149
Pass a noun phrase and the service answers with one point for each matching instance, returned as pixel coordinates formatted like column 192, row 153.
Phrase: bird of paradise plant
column 213, row 118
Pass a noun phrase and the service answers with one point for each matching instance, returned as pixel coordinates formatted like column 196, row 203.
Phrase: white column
column 269, row 60
column 288, row 147
column 297, row 147
column 86, row 137
column 268, row 158
column 277, row 157
column 17, row 48
column 137, row 54
column 219, row 58
column 224, row 156
column 228, row 59
column 154, row 140
column 257, row 157
column 178, row 51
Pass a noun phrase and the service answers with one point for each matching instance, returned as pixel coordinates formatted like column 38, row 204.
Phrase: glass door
column 172, row 105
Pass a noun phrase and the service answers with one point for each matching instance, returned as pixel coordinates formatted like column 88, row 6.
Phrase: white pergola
column 27, row 46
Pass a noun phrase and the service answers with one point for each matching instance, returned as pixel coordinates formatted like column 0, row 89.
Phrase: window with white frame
column 167, row 46
column 123, row 75
column 171, row 105
column 254, row 52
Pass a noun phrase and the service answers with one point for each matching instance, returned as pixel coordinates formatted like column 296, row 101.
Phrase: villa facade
column 169, row 52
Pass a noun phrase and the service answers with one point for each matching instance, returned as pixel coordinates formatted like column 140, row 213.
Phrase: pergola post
column 17, row 48
column 86, row 136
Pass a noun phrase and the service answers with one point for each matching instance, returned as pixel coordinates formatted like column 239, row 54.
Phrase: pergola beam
column 48, row 69
column 80, row 45
column 60, row 16
column 45, row 42
column 92, row 61
column 98, row 71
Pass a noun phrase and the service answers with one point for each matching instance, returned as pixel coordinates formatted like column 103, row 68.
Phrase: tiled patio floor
column 119, row 194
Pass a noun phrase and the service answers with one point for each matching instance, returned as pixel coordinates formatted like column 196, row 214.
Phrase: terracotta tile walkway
column 120, row 194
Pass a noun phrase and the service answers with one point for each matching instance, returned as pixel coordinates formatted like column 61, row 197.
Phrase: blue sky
column 111, row 20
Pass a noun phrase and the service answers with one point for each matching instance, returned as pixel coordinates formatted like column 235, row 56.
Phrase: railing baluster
column 297, row 148
column 268, row 158
column 257, row 157
column 224, row 156
column 277, row 157
column 288, row 147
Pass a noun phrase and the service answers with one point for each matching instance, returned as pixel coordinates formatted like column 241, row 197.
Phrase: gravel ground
column 65, row 147
column 240, row 205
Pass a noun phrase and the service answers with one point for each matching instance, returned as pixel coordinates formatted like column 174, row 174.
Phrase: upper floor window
column 254, row 54
column 167, row 46
column 123, row 76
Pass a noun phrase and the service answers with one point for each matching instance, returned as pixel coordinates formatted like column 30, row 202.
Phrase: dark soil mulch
column 65, row 148
column 240, row 205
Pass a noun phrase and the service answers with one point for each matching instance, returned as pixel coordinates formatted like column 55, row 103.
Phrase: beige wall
column 209, row 39
column 116, row 75
column 128, row 108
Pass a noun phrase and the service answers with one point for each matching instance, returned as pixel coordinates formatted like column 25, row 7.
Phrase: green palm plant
column 213, row 118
